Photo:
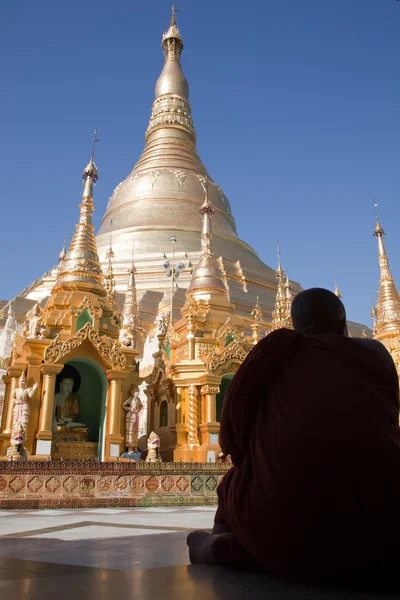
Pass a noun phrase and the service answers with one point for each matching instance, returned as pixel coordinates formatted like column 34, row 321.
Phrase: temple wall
column 92, row 484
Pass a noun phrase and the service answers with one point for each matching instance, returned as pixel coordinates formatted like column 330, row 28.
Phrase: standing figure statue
column 133, row 406
column 21, row 404
column 153, row 449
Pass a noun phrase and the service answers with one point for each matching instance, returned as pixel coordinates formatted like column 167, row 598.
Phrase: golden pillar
column 33, row 376
column 191, row 328
column 14, row 373
column 181, row 426
column 209, row 427
column 114, row 439
column 46, row 409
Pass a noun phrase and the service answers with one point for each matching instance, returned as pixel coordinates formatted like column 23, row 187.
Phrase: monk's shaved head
column 318, row 311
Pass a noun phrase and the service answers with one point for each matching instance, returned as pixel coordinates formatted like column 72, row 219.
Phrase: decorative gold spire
column 131, row 305
column 172, row 42
column 336, row 291
column 289, row 300
column 388, row 305
column 206, row 276
column 279, row 313
column 130, row 313
column 373, row 313
column 255, row 327
column 109, row 279
column 80, row 268
column 63, row 252
column 171, row 104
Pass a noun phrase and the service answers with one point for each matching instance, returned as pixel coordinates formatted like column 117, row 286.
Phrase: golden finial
column 63, row 252
column 172, row 34
column 256, row 313
column 173, row 10
column 95, row 140
column 279, row 269
column 336, row 291
column 279, row 314
column 206, row 276
column 378, row 231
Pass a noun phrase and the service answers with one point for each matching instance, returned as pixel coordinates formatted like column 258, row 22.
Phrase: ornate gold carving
column 86, row 304
column 111, row 353
column 75, row 451
column 229, row 329
column 209, row 389
column 203, row 349
column 232, row 353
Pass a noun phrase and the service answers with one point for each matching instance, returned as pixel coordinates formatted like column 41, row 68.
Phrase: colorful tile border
column 73, row 484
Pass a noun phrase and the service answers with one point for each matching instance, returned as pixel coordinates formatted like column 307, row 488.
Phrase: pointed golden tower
column 255, row 326
column 63, row 252
column 109, row 279
column 388, row 305
column 336, row 291
column 206, row 276
column 289, row 300
column 80, row 268
column 131, row 324
column 279, row 313
column 75, row 337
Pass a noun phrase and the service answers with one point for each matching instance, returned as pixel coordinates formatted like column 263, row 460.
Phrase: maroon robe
column 312, row 425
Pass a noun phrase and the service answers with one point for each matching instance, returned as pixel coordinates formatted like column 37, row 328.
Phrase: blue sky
column 296, row 107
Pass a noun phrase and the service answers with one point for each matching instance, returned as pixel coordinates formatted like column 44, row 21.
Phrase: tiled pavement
column 126, row 553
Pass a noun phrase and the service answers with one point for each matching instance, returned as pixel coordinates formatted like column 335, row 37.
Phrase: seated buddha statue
column 67, row 411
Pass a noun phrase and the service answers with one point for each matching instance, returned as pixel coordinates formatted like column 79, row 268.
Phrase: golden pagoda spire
column 63, row 252
column 336, row 291
column 130, row 304
column 109, row 279
column 289, row 300
column 388, row 304
column 130, row 313
column 80, row 268
column 171, row 106
column 206, row 276
column 256, row 315
column 279, row 314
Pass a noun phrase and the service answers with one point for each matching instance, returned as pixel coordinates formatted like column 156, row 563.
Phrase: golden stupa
column 160, row 199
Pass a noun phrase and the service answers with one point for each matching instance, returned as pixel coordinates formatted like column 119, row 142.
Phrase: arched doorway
column 226, row 379
column 91, row 388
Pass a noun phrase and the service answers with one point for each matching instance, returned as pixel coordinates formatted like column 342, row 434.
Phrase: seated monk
column 311, row 421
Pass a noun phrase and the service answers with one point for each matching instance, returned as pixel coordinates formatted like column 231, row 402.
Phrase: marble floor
column 126, row 552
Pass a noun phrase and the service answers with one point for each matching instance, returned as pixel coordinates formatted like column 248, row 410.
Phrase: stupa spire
column 388, row 304
column 279, row 313
column 131, row 323
column 336, row 291
column 130, row 304
column 206, row 276
column 289, row 300
column 109, row 279
column 63, row 252
column 80, row 267
column 171, row 104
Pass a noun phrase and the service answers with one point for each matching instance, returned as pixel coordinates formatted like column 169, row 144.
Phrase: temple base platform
column 85, row 484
